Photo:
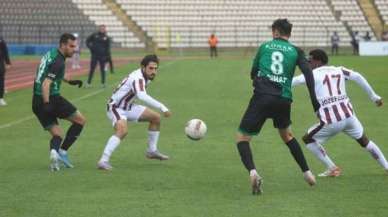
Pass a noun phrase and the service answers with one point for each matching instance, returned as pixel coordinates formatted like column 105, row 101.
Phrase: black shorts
column 262, row 107
column 61, row 109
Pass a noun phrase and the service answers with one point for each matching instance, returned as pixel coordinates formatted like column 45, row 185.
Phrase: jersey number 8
column 277, row 63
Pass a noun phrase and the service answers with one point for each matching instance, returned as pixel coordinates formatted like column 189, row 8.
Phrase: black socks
column 72, row 134
column 297, row 153
column 246, row 155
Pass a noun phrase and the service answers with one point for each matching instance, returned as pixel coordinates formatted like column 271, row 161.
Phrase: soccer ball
column 195, row 129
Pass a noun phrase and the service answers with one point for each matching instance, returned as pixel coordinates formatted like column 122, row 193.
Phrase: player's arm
column 255, row 66
column 363, row 83
column 46, row 90
column 142, row 95
column 309, row 78
column 298, row 80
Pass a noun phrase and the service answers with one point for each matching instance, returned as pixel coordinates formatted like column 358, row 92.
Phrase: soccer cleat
column 309, row 177
column 334, row 172
column 156, row 155
column 65, row 159
column 104, row 165
column 3, row 102
column 54, row 160
column 257, row 184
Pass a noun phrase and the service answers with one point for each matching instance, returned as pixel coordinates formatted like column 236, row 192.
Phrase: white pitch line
column 13, row 123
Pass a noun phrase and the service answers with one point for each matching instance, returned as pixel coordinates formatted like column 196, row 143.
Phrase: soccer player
column 336, row 113
column 121, row 109
column 48, row 104
column 272, row 72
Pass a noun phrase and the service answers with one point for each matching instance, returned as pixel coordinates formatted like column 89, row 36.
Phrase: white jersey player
column 336, row 113
column 122, row 109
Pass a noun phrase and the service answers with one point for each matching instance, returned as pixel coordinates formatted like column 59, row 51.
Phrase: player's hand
column 48, row 108
column 76, row 82
column 379, row 102
column 7, row 66
column 167, row 114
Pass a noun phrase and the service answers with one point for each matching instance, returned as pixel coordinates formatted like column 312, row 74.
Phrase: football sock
column 111, row 145
column 297, row 153
column 246, row 155
column 321, row 154
column 153, row 137
column 377, row 154
column 55, row 143
column 72, row 134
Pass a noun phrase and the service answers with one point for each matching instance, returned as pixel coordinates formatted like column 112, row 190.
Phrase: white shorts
column 351, row 126
column 131, row 115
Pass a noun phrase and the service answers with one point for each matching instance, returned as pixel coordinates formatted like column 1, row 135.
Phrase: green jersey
column 275, row 64
column 52, row 66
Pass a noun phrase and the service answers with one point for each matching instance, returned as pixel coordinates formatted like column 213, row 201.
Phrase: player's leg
column 49, row 122
column 2, row 78
column 120, row 124
column 251, row 124
column 148, row 115
column 356, row 131
column 102, row 62
column 55, row 143
column 93, row 64
column 317, row 135
column 111, row 68
column 280, row 114
column 65, row 110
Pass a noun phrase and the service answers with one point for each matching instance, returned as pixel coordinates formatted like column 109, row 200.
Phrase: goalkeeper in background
column 48, row 105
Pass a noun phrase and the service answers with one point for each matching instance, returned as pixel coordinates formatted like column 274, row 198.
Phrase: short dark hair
column 283, row 26
column 319, row 55
column 65, row 37
column 149, row 58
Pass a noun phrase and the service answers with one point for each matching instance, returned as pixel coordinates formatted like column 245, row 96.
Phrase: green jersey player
column 48, row 104
column 272, row 72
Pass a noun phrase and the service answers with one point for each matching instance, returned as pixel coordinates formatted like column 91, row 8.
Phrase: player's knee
column 155, row 119
column 122, row 132
column 286, row 136
column 363, row 141
column 82, row 120
column 242, row 138
column 121, row 129
column 307, row 139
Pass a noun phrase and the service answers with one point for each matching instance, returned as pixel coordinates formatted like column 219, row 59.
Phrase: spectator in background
column 367, row 37
column 384, row 36
column 99, row 45
column 335, row 39
column 355, row 41
column 5, row 64
column 75, row 60
column 213, row 41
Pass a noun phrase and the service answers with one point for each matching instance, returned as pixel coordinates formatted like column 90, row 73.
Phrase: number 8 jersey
column 330, row 90
column 274, row 66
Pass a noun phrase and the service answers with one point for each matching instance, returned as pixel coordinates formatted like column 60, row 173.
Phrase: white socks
column 111, row 145
column 376, row 153
column 320, row 153
column 153, row 137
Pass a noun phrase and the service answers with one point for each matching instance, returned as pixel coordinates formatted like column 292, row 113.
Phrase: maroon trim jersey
column 330, row 89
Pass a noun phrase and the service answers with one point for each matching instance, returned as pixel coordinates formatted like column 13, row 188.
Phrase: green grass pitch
column 204, row 178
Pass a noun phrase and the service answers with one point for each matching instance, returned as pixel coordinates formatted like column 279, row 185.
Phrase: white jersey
column 331, row 94
column 132, row 87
